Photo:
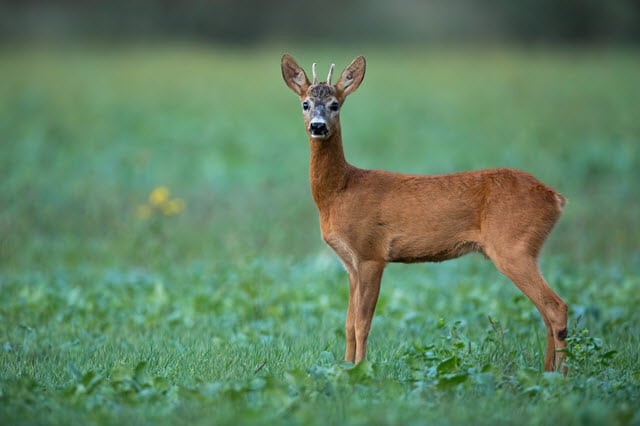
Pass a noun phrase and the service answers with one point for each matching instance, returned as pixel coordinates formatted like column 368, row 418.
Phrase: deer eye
column 334, row 106
column 305, row 106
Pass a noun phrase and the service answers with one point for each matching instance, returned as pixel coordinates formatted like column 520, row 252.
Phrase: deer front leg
column 350, row 326
column 369, row 275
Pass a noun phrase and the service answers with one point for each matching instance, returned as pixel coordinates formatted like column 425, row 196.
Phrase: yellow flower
column 160, row 202
column 159, row 196
column 173, row 207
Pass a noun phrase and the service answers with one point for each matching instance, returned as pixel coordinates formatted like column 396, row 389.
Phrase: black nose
column 318, row 129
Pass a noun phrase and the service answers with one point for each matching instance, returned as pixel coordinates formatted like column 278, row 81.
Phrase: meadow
column 161, row 260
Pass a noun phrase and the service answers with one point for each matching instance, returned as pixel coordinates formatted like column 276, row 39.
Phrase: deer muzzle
column 318, row 128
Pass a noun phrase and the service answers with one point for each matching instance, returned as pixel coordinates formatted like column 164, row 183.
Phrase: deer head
column 321, row 102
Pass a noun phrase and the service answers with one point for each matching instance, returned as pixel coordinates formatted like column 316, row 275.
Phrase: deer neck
column 328, row 169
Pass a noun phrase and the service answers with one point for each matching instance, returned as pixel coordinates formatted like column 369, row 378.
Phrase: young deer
column 373, row 217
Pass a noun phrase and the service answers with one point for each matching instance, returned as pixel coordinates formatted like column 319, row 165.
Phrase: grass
column 115, row 309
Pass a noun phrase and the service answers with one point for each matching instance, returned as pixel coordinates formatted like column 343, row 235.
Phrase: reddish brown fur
column 373, row 217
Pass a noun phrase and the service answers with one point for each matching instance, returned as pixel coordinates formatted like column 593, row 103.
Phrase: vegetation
column 160, row 259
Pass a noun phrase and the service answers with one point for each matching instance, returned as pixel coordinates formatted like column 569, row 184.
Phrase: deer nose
column 318, row 128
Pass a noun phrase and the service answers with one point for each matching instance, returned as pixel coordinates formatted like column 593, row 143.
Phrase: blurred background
column 140, row 131
column 329, row 21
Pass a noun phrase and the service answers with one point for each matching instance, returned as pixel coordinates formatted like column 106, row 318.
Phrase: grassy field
column 160, row 256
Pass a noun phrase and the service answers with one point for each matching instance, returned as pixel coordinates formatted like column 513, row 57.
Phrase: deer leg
column 525, row 274
column 350, row 326
column 368, row 288
column 551, row 359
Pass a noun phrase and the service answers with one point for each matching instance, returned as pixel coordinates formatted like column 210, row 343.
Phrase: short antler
column 330, row 74
column 315, row 74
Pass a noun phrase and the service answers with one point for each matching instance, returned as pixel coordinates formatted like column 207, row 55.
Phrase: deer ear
column 293, row 75
column 351, row 77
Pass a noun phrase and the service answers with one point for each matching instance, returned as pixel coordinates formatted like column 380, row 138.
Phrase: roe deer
column 373, row 217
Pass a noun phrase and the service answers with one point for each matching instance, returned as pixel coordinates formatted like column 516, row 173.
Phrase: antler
column 330, row 74
column 315, row 75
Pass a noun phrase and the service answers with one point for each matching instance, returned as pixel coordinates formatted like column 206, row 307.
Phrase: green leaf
column 362, row 372
column 327, row 357
column 140, row 372
column 528, row 376
column 91, row 380
column 447, row 365
column 161, row 384
column 451, row 380
column 120, row 374
column 532, row 390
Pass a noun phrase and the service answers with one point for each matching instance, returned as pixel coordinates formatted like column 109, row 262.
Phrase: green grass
column 232, row 311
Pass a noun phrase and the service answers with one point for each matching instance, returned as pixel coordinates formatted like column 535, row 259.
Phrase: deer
column 374, row 217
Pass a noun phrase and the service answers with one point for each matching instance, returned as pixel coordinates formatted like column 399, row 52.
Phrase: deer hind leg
column 367, row 289
column 524, row 272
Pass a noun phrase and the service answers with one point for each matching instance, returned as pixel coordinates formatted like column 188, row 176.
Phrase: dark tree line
column 256, row 21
